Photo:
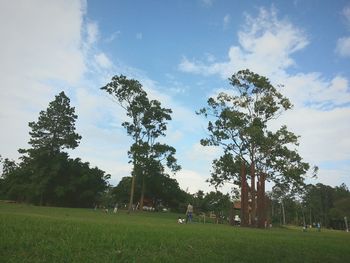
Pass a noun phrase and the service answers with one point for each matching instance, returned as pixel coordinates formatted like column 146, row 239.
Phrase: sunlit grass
column 44, row 234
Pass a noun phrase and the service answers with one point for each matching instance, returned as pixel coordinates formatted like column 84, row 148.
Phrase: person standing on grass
column 189, row 213
column 115, row 208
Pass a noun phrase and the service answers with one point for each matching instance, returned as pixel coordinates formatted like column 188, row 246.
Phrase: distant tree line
column 315, row 204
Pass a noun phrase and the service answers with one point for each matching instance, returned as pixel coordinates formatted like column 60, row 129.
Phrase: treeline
column 45, row 175
column 52, row 180
column 162, row 192
column 165, row 192
column 315, row 204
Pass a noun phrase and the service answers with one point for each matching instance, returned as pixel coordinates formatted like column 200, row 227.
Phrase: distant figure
column 189, row 213
column 319, row 227
column 304, row 228
column 115, row 208
column 180, row 220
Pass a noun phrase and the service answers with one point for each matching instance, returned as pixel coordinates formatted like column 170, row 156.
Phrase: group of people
column 189, row 215
column 316, row 225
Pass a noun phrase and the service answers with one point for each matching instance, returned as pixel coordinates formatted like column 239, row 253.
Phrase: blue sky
column 182, row 52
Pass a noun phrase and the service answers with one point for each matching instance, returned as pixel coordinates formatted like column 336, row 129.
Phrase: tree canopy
column 55, row 128
column 238, row 122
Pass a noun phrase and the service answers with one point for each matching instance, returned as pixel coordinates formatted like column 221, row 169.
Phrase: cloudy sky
column 182, row 51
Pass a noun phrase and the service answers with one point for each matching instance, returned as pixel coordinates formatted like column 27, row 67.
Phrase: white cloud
column 207, row 3
column 346, row 14
column 203, row 153
column 113, row 36
column 41, row 52
column 210, row 57
column 92, row 32
column 321, row 114
column 226, row 21
column 191, row 66
column 323, row 133
column 334, row 177
column 343, row 47
column 192, row 181
column 343, row 44
column 311, row 90
column 103, row 61
column 266, row 45
column 45, row 52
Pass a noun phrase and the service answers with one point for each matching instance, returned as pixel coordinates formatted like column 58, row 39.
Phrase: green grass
column 47, row 234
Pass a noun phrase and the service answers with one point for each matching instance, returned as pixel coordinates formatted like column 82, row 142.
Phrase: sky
column 182, row 52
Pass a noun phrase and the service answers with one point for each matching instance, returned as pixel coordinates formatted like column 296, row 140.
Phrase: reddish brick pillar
column 253, row 194
column 244, row 196
column 261, row 211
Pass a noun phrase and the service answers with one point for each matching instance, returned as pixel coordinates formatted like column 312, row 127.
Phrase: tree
column 53, row 132
column 46, row 175
column 153, row 156
column 238, row 123
column 55, row 128
column 164, row 190
column 218, row 203
column 147, row 122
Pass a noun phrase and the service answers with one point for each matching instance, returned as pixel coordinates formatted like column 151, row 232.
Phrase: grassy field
column 46, row 234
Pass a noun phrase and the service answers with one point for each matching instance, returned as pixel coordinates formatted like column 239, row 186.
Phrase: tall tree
column 147, row 122
column 128, row 93
column 55, row 128
column 53, row 132
column 153, row 155
column 238, row 122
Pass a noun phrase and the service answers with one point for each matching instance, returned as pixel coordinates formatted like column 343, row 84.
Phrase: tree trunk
column 252, row 194
column 283, row 213
column 142, row 192
column 244, row 196
column 261, row 213
column 132, row 190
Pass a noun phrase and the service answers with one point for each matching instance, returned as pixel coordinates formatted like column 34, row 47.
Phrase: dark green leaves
column 55, row 128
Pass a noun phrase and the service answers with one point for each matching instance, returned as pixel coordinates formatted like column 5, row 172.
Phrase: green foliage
column 121, row 192
column 237, row 121
column 161, row 190
column 315, row 203
column 58, row 180
column 327, row 205
column 213, row 202
column 225, row 169
column 55, row 128
column 45, row 174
